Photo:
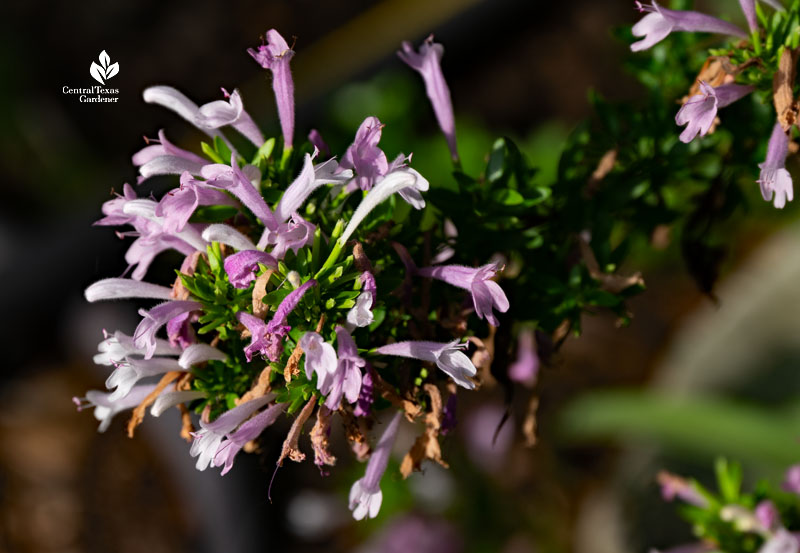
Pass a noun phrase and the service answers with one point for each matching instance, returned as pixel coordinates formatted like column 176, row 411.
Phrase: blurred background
column 692, row 377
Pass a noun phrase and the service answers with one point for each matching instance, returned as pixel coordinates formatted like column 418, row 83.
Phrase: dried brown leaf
column 356, row 432
column 260, row 309
column 290, row 444
column 426, row 445
column 186, row 423
column 608, row 282
column 782, row 89
column 138, row 413
column 319, row 438
column 529, row 423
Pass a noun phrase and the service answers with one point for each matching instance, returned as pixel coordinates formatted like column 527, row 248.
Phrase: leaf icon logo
column 105, row 70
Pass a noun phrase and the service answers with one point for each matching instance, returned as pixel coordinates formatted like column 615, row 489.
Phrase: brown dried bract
column 483, row 357
column 426, row 445
column 260, row 388
column 360, row 258
column 355, row 429
column 410, row 408
column 179, row 291
column 290, row 446
column 138, row 414
column 609, row 282
column 186, row 423
column 319, row 438
column 716, row 71
column 260, row 309
column 782, row 88
column 529, row 424
column 604, row 167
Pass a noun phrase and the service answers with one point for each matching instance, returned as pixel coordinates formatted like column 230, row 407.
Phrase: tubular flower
column 428, row 62
column 486, row 293
column 364, row 156
column 208, row 438
column 774, row 178
column 749, row 9
column 164, row 158
column 129, row 372
column 320, row 358
column 660, row 22
column 365, row 494
column 177, row 206
column 447, row 356
column 346, row 380
column 241, row 267
column 525, row 369
column 118, row 346
column 699, row 112
column 105, row 408
column 221, row 113
column 145, row 335
column 275, row 55
column 233, row 442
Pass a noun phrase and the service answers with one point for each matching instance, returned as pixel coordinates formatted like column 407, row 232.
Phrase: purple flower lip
column 660, row 22
column 275, row 55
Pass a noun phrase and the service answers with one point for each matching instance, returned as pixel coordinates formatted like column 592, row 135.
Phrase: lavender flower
column 235, row 181
column 200, row 353
column 145, row 334
column 317, row 141
column 251, row 429
column 177, row 101
column 221, row 113
column 346, row 379
column 288, row 236
column 428, row 61
column 525, row 369
column 164, row 158
column 447, row 356
column 407, row 182
column 365, row 494
column 365, row 395
column 105, row 408
column 749, row 9
column 208, row 438
column 180, row 332
column 781, row 541
column 791, row 481
column 310, row 178
column 177, row 206
column 320, row 358
column 364, row 156
column 660, row 22
column 673, row 486
column 116, row 347
column 767, row 514
column 275, row 55
column 361, row 314
column 242, row 267
column 486, row 294
column 699, row 112
column 130, row 371
column 774, row 177
column 229, row 236
column 124, row 288
column 267, row 339
column 171, row 398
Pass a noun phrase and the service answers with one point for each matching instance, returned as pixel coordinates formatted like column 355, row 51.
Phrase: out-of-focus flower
column 526, row 368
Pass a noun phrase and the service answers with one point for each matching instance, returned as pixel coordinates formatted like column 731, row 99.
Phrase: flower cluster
column 717, row 89
column 283, row 253
column 733, row 520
